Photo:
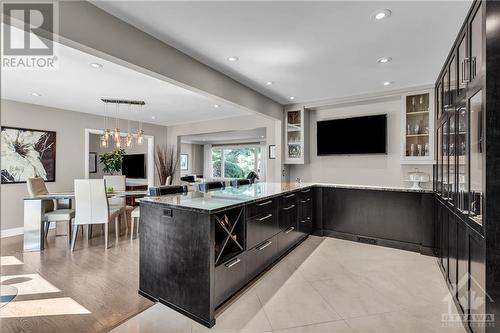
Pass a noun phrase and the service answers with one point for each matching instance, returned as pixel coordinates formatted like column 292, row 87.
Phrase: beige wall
column 70, row 141
column 383, row 170
column 195, row 158
column 273, row 135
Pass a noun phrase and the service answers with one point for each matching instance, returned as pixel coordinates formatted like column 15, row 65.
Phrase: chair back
column 164, row 190
column 36, row 186
column 239, row 182
column 91, row 203
column 118, row 184
column 205, row 187
column 189, row 179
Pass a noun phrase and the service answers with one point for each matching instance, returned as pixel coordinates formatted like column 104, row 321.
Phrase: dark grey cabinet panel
column 452, row 250
column 288, row 214
column 261, row 227
column 229, row 277
column 262, row 256
column 390, row 215
column 262, row 207
column 287, row 239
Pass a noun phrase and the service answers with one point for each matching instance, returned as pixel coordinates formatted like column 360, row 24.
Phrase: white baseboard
column 17, row 231
column 11, row 232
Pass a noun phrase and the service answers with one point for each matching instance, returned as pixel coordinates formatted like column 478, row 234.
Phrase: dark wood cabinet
column 262, row 256
column 476, row 27
column 462, row 63
column 230, row 277
column 262, row 222
column 288, row 212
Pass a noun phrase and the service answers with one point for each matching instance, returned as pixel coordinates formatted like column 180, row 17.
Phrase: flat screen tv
column 133, row 166
column 359, row 135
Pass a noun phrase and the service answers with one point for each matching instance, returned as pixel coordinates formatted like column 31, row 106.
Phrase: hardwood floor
column 89, row 290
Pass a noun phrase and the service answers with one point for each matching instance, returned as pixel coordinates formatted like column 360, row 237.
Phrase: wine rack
column 229, row 234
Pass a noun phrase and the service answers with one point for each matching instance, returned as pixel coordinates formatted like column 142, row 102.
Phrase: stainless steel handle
column 264, row 203
column 265, row 217
column 289, row 230
column 307, row 200
column 306, row 191
column 232, row 263
column 263, row 246
column 462, row 73
column 288, row 208
column 289, row 196
column 473, row 71
column 305, row 221
column 467, row 70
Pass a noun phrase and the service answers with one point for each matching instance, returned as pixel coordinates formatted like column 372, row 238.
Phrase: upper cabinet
column 418, row 126
column 476, row 44
column 296, row 136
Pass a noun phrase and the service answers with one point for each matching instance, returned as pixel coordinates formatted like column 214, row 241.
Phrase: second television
column 358, row 135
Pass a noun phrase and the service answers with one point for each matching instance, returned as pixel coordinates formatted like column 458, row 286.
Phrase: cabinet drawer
column 288, row 216
column 229, row 277
column 262, row 208
column 288, row 238
column 261, row 227
column 262, row 256
column 305, row 225
column 288, row 199
column 306, row 194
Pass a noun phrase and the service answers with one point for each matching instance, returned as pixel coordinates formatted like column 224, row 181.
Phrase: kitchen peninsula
column 198, row 249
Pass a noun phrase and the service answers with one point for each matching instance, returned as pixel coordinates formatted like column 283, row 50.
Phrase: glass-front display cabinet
column 418, row 121
column 476, row 128
column 296, row 126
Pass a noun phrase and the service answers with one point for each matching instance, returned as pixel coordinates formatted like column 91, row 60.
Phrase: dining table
column 34, row 238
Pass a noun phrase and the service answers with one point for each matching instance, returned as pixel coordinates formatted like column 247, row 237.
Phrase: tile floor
column 327, row 285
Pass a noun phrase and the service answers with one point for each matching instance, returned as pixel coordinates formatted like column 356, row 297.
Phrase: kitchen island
column 198, row 249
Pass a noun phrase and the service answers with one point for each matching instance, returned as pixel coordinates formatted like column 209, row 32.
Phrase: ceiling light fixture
column 292, row 98
column 36, row 94
column 233, row 58
column 95, row 65
column 216, row 106
column 153, row 117
column 384, row 60
column 388, row 83
column 269, row 83
column 381, row 14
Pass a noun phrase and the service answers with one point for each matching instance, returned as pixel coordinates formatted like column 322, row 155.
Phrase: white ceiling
column 311, row 50
column 243, row 136
column 76, row 86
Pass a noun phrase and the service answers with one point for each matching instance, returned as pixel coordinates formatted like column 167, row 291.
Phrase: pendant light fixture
column 116, row 135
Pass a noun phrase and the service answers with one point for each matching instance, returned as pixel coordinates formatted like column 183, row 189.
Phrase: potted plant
column 166, row 161
column 112, row 161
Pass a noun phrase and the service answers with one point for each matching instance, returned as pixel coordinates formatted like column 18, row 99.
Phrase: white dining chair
column 135, row 216
column 117, row 182
column 92, row 207
column 36, row 187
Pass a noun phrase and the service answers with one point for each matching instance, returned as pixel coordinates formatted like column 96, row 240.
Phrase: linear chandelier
column 116, row 135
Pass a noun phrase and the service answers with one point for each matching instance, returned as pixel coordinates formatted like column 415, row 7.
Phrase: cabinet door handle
column 265, row 217
column 232, row 263
column 289, row 230
column 305, row 221
column 289, row 196
column 462, row 73
column 288, row 208
column 474, row 72
column 307, row 200
column 306, row 191
column 467, row 70
column 263, row 246
column 264, row 203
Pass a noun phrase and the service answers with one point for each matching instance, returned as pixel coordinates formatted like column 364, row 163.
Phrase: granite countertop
column 218, row 200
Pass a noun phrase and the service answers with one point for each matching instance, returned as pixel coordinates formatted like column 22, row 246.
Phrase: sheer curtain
column 207, row 162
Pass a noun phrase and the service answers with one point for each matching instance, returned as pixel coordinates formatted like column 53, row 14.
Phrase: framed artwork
column 272, row 152
column 184, row 162
column 27, row 153
column 92, row 162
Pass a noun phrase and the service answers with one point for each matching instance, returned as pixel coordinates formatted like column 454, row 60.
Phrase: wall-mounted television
column 133, row 166
column 358, row 135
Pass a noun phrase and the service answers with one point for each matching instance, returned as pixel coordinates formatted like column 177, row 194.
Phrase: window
column 235, row 162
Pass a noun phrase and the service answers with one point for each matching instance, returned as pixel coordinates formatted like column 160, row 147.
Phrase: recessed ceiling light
column 216, row 106
column 388, row 83
column 381, row 14
column 36, row 94
column 269, row 83
column 292, row 97
column 95, row 65
column 384, row 60
column 261, row 136
column 233, row 58
column 153, row 117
